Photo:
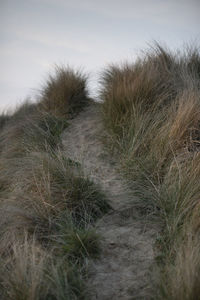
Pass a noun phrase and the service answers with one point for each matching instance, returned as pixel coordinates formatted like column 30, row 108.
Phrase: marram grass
column 151, row 110
column 47, row 206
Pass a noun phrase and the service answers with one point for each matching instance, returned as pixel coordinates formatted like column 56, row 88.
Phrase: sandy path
column 127, row 247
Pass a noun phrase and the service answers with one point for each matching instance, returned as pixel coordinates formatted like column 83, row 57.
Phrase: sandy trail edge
column 123, row 271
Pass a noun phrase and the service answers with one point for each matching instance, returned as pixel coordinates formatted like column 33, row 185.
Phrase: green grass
column 77, row 242
column 47, row 206
column 151, row 111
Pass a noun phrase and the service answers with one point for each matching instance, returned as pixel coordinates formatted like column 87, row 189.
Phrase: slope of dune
column 124, row 268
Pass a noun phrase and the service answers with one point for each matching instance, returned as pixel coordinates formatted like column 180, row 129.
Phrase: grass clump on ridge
column 47, row 206
column 64, row 92
column 3, row 120
column 151, row 111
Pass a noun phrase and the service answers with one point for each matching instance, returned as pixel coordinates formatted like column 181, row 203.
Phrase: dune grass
column 47, row 205
column 64, row 92
column 3, row 120
column 151, row 111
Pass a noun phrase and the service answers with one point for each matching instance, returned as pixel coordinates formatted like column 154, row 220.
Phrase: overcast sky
column 87, row 34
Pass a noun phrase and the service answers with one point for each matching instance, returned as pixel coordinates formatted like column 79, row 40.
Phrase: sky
column 84, row 34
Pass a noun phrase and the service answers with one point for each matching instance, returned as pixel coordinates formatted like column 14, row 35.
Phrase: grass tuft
column 64, row 92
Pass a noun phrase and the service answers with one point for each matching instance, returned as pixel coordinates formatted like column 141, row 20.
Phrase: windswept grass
column 47, row 205
column 151, row 111
column 32, row 133
column 3, row 120
column 64, row 92
column 32, row 273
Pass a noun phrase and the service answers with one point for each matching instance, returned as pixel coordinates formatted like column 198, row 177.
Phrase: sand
column 124, row 270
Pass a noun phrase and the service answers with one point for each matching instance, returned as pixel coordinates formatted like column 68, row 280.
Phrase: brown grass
column 47, row 205
column 64, row 92
column 151, row 110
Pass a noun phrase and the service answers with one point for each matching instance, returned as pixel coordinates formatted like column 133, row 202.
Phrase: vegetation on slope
column 64, row 84
column 47, row 206
column 151, row 111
